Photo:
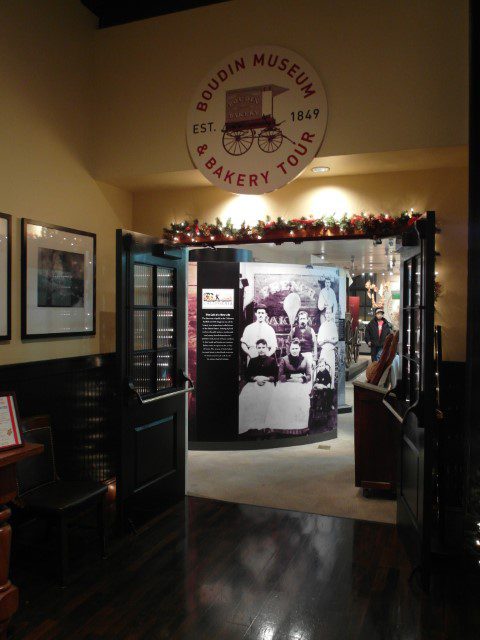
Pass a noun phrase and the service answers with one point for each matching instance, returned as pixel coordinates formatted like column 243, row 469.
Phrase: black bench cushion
column 63, row 496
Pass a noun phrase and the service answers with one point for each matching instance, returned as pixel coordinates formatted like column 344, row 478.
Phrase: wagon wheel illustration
column 270, row 139
column 236, row 143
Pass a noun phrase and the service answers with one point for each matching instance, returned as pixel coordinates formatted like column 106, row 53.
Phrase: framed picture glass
column 5, row 275
column 10, row 434
column 58, row 281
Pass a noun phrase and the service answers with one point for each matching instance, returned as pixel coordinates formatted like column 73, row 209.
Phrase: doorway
column 315, row 476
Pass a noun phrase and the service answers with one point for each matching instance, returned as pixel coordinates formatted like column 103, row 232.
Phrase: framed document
column 5, row 274
column 10, row 434
column 58, row 281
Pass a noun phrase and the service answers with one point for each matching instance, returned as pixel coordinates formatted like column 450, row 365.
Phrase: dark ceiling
column 113, row 12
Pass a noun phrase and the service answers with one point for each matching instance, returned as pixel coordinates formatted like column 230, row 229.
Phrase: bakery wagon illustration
column 249, row 115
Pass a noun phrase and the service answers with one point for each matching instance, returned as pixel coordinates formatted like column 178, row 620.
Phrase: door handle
column 164, row 396
column 409, row 410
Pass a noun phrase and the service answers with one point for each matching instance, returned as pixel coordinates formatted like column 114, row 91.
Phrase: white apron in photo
column 289, row 407
column 254, row 402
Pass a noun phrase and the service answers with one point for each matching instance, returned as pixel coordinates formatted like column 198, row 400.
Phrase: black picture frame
column 7, row 335
column 26, row 333
column 14, row 412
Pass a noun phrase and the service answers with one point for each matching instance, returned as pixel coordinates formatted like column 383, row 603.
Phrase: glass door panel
column 416, row 282
column 417, row 334
column 414, row 378
column 143, row 285
column 165, row 328
column 153, row 328
column 165, row 287
column 142, row 373
column 408, row 284
column 165, row 371
column 408, row 333
column 142, row 329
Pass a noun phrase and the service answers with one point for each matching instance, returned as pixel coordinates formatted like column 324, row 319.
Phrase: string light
column 368, row 224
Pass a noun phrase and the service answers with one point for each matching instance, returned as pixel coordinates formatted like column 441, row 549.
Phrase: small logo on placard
column 218, row 299
column 257, row 120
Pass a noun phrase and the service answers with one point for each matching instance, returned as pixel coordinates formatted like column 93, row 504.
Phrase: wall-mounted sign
column 256, row 120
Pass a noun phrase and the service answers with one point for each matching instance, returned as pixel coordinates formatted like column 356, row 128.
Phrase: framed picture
column 5, row 275
column 10, row 434
column 58, row 281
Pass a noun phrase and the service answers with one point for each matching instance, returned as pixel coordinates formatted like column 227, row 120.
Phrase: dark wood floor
column 208, row 570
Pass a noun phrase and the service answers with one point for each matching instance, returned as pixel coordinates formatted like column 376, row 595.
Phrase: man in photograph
column 303, row 332
column 327, row 301
column 327, row 341
column 260, row 329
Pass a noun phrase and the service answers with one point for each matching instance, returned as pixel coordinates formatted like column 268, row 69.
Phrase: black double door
column 414, row 400
column 151, row 354
column 151, row 351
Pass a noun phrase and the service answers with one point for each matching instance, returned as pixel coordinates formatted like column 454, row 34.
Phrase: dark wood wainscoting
column 79, row 395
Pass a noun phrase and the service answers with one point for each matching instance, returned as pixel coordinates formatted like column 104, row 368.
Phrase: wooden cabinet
column 8, row 491
column 376, row 439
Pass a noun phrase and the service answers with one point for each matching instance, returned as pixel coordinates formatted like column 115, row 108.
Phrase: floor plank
column 208, row 570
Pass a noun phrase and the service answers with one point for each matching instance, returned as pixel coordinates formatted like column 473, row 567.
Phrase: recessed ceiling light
column 320, row 169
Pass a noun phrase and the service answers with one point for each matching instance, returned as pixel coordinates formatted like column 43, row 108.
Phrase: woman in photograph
column 327, row 342
column 289, row 406
column 261, row 376
column 321, row 397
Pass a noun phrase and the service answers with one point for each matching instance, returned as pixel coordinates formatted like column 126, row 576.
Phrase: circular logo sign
column 256, row 120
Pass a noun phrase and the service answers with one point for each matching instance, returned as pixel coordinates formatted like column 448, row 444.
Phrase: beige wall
column 395, row 74
column 74, row 98
column 45, row 133
column 442, row 190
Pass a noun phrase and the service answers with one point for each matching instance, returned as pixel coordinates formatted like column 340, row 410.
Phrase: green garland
column 369, row 224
